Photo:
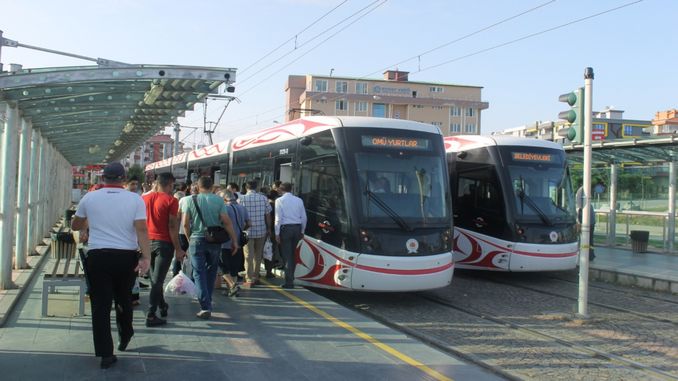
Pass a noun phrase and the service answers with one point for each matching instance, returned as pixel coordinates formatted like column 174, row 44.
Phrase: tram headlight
column 366, row 241
column 446, row 238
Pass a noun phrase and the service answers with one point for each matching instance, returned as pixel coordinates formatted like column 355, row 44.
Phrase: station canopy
column 649, row 150
column 94, row 114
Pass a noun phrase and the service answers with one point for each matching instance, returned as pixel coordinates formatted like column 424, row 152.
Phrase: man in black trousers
column 116, row 219
column 290, row 224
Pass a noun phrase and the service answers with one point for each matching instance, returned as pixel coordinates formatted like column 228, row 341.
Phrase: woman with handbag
column 207, row 225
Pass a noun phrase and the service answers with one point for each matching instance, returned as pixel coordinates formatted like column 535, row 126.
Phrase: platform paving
column 646, row 270
column 265, row 334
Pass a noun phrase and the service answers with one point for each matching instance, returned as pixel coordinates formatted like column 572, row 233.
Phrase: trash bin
column 639, row 240
column 68, row 216
column 63, row 245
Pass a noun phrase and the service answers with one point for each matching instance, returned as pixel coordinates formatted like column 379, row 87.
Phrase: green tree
column 137, row 171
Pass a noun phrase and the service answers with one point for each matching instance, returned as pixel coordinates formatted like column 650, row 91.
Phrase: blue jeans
column 205, row 262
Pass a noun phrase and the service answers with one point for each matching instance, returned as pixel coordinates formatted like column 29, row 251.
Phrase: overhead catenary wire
column 296, row 48
column 529, row 36
column 293, row 38
column 316, row 46
column 341, row 95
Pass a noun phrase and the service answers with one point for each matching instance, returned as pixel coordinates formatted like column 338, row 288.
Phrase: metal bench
column 66, row 272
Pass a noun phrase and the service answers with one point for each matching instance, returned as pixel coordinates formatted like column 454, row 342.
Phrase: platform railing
column 655, row 222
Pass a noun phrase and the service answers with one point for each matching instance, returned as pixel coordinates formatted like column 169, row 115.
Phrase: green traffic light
column 569, row 115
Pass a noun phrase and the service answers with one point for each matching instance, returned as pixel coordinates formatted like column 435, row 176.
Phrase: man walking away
column 290, row 224
column 205, row 255
column 163, row 231
column 259, row 211
column 117, row 227
column 231, row 261
column 183, row 239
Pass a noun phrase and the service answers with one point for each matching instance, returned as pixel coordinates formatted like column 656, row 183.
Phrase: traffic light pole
column 585, row 246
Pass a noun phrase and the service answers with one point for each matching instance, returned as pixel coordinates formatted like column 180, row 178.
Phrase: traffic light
column 574, row 116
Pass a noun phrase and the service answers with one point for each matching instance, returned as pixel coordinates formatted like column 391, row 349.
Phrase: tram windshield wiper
column 524, row 197
column 530, row 202
column 387, row 209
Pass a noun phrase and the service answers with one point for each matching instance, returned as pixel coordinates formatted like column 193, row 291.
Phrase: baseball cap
column 114, row 171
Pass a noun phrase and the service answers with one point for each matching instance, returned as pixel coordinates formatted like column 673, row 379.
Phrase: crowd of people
column 131, row 234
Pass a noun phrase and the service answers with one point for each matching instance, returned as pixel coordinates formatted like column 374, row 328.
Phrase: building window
column 361, row 107
column 455, row 111
column 469, row 111
column 435, row 89
column 341, row 87
column 361, row 87
column 437, row 107
column 321, row 85
column 341, row 105
column 455, row 127
column 417, row 106
column 437, row 124
column 470, row 128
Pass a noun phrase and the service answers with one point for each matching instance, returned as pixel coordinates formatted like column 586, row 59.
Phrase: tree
column 136, row 171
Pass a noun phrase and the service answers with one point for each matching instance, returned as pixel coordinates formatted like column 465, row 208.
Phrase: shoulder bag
column 243, row 238
column 214, row 234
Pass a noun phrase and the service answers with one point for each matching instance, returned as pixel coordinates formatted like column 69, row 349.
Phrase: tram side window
column 479, row 204
column 322, row 191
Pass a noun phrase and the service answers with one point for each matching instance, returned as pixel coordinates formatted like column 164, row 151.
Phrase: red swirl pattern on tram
column 277, row 133
column 322, row 272
column 208, row 151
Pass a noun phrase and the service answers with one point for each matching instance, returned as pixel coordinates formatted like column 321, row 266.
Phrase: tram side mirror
column 306, row 140
column 462, row 155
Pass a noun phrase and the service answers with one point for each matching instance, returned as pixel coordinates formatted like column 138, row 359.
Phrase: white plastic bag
column 268, row 250
column 181, row 285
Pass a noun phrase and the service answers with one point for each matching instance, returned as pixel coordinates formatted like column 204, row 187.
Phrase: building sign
column 394, row 142
column 391, row 90
column 598, row 131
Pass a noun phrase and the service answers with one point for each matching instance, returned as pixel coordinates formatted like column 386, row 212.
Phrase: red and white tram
column 376, row 193
column 513, row 204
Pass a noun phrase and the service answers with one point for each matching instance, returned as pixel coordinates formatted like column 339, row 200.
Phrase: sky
column 506, row 47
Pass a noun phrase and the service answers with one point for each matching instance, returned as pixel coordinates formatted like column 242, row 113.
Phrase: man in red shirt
column 163, row 231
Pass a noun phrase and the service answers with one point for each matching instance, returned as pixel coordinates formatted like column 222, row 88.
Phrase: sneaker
column 270, row 276
column 233, row 291
column 154, row 321
column 143, row 285
column 163, row 310
column 204, row 314
column 287, row 286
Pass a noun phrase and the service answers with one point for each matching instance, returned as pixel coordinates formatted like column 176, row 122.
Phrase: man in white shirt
column 116, row 219
column 290, row 224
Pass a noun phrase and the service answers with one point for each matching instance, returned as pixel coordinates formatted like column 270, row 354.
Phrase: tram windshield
column 541, row 184
column 406, row 189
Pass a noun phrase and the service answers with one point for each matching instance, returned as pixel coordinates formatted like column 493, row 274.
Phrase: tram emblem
column 412, row 246
column 553, row 236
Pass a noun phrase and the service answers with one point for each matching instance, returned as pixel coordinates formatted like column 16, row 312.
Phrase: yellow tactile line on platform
column 384, row 347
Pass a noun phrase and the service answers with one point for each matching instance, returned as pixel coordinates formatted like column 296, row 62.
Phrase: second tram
column 513, row 204
column 376, row 192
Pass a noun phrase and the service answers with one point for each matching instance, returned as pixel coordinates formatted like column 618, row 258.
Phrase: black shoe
column 143, row 285
column 287, row 286
column 123, row 342
column 270, row 276
column 108, row 361
column 154, row 321
column 163, row 310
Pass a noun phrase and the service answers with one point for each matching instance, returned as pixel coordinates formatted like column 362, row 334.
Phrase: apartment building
column 455, row 109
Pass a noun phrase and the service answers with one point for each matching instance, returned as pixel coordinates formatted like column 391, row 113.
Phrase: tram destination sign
column 395, row 142
column 533, row 156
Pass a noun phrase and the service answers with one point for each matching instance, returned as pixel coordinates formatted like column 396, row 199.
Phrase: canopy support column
column 8, row 163
column 612, row 218
column 22, row 250
column 31, row 239
column 670, row 236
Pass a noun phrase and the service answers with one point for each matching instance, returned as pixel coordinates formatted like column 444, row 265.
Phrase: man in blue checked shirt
column 259, row 210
